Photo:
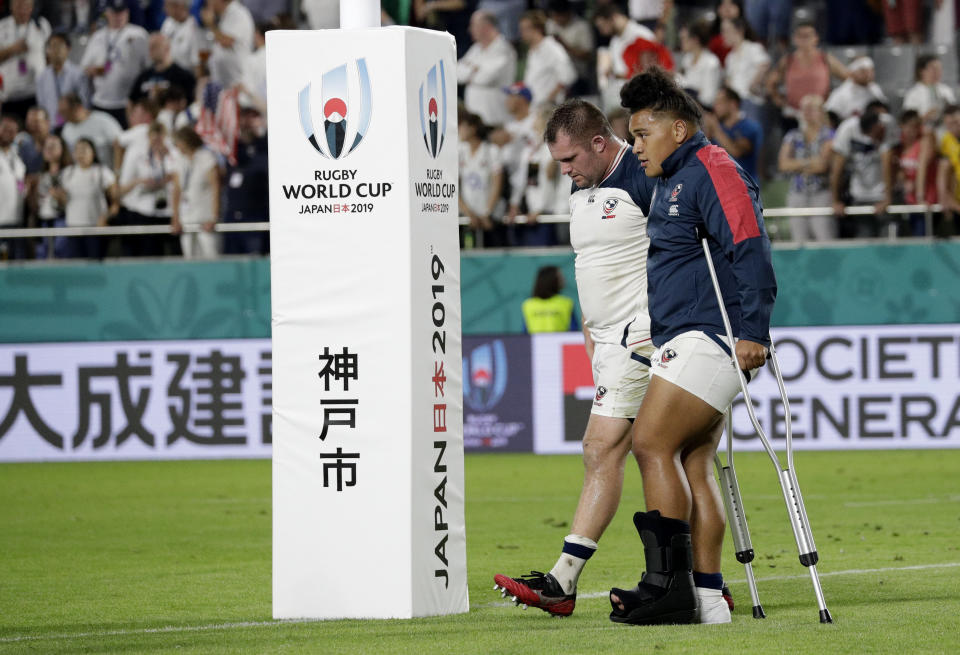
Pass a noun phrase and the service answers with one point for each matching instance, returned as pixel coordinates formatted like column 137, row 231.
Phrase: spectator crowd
column 152, row 112
column 132, row 113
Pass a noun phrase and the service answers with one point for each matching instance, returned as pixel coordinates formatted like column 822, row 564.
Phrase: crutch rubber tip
column 825, row 616
column 758, row 612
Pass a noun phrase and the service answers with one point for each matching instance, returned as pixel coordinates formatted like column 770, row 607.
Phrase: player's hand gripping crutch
column 788, row 478
column 737, row 518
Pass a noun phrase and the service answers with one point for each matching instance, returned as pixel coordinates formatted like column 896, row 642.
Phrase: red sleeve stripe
column 732, row 192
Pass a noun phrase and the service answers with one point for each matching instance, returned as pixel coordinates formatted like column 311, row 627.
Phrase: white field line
column 173, row 629
column 914, row 501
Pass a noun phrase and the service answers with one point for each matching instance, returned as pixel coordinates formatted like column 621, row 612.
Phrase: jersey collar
column 679, row 157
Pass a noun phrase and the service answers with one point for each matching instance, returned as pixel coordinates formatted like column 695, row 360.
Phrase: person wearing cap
column 548, row 71
column 857, row 91
column 517, row 131
column 115, row 56
column 488, row 65
column 22, row 41
column 232, row 27
column 517, row 135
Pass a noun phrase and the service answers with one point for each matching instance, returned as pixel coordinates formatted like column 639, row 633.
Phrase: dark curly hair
column 656, row 90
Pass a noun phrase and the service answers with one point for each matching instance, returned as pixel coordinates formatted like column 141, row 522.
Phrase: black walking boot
column 665, row 593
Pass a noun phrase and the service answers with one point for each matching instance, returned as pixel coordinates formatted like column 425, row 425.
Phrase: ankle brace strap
column 665, row 560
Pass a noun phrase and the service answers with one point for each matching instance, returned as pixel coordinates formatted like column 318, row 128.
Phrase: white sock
column 576, row 551
column 713, row 606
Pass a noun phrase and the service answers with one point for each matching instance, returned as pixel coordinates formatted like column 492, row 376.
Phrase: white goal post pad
column 368, row 480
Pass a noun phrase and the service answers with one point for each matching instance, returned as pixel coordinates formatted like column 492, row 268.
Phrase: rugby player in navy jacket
column 700, row 191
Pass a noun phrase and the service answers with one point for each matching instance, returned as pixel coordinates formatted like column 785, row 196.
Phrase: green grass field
column 175, row 556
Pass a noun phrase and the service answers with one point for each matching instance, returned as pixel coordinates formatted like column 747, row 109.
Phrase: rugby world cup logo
column 485, row 376
column 433, row 109
column 345, row 98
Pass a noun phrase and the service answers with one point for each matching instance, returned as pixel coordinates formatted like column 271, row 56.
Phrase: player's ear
column 680, row 130
column 599, row 144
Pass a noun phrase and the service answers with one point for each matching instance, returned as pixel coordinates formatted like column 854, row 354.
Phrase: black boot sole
column 636, row 617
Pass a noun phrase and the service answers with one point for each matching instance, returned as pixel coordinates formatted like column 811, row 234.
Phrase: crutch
column 787, row 476
column 737, row 518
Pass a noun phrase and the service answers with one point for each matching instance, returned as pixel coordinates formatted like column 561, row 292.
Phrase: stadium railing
column 123, row 230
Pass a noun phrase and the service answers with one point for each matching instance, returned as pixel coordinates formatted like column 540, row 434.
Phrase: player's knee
column 600, row 452
column 644, row 447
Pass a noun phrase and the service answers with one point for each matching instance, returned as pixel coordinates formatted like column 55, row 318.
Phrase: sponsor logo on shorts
column 601, row 392
column 676, row 192
column 668, row 355
column 608, row 206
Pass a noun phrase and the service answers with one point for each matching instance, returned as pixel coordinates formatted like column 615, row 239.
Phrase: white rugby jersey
column 476, row 175
column 608, row 232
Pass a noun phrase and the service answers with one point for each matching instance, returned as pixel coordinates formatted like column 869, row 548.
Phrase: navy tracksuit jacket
column 703, row 187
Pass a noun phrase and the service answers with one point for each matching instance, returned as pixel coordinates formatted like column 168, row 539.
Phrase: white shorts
column 697, row 363
column 621, row 373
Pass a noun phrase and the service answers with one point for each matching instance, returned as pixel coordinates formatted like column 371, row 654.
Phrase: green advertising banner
column 230, row 298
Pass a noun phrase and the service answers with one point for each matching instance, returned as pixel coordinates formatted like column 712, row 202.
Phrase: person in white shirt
column 46, row 198
column 22, row 42
column 858, row 147
column 929, row 95
column 89, row 189
column 700, row 69
column 232, row 27
column 745, row 66
column 99, row 127
column 196, row 196
column 516, row 136
column 548, row 71
column 142, row 113
column 184, row 34
column 856, row 92
column 481, row 179
column 534, row 183
column 612, row 69
column 489, row 65
column 60, row 77
column 608, row 234
column 12, row 175
column 115, row 56
column 253, row 82
column 145, row 189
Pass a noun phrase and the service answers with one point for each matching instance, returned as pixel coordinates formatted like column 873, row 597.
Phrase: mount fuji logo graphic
column 433, row 109
column 346, row 119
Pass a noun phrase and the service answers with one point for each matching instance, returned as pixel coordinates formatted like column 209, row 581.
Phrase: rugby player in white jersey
column 608, row 208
